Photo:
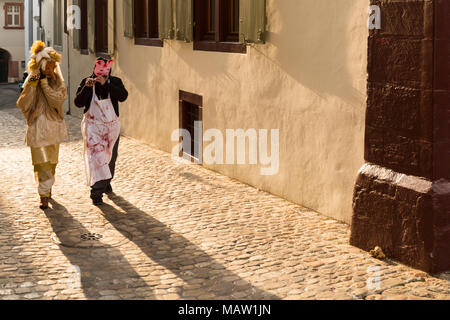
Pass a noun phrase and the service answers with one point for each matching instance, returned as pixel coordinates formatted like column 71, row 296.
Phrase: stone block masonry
column 402, row 195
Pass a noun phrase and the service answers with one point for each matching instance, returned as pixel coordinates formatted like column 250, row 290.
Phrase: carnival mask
column 49, row 70
column 103, row 68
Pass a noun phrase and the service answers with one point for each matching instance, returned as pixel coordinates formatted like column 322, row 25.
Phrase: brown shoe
column 44, row 203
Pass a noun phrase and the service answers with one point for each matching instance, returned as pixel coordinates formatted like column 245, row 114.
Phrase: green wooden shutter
column 57, row 23
column 91, row 25
column 111, row 27
column 185, row 15
column 76, row 33
column 252, row 17
column 128, row 18
column 76, row 39
column 165, row 19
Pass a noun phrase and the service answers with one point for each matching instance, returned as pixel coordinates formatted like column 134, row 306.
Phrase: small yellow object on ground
column 377, row 253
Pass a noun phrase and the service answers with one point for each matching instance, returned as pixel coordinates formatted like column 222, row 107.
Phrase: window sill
column 105, row 55
column 84, row 52
column 13, row 28
column 191, row 98
column 151, row 42
column 230, row 47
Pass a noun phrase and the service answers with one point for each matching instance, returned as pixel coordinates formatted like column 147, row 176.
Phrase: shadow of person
column 198, row 270
column 100, row 271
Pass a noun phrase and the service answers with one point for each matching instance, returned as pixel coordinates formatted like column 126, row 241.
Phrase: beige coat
column 41, row 102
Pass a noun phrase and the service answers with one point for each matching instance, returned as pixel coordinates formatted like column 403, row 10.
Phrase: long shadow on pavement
column 179, row 255
column 103, row 270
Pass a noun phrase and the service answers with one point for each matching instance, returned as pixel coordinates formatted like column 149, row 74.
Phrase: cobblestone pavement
column 9, row 93
column 175, row 232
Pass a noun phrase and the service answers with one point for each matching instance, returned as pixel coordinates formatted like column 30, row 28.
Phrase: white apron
column 101, row 129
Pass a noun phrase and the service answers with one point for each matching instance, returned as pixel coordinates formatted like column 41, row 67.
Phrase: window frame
column 84, row 44
column 21, row 15
column 148, row 24
column 101, row 44
column 222, row 41
column 188, row 100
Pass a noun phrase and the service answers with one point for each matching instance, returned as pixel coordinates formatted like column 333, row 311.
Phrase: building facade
column 12, row 57
column 296, row 73
column 310, row 93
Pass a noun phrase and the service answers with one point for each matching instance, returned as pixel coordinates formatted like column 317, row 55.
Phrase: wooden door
column 4, row 58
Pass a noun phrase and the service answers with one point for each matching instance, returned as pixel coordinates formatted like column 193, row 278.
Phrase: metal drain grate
column 91, row 236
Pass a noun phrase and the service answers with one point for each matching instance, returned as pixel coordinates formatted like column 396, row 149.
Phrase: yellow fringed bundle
column 37, row 47
column 49, row 54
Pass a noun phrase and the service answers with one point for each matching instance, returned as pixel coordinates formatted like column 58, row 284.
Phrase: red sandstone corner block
column 402, row 196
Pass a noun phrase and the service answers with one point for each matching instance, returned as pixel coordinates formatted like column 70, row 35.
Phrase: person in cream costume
column 41, row 102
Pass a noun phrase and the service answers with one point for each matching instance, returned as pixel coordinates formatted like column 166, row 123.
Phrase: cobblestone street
column 174, row 231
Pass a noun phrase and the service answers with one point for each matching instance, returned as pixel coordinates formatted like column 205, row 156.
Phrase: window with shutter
column 217, row 26
column 146, row 19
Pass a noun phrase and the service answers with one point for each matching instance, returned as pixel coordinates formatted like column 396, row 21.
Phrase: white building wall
column 11, row 40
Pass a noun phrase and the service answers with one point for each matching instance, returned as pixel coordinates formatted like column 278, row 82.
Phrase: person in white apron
column 101, row 129
column 99, row 95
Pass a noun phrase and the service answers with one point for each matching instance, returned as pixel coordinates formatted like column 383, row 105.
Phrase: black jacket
column 114, row 86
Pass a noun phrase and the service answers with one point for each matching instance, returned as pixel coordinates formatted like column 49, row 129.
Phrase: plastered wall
column 11, row 40
column 308, row 81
